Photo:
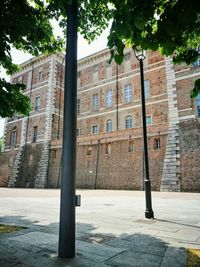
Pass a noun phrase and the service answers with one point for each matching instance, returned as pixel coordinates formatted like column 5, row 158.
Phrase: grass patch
column 193, row 257
column 5, row 229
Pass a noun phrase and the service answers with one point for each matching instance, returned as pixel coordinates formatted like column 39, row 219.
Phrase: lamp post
column 140, row 55
column 66, row 247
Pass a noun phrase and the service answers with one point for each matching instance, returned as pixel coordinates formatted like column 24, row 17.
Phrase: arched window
column 109, row 126
column 13, row 140
column 156, row 144
column 108, row 148
column 128, row 122
column 89, row 150
column 131, row 146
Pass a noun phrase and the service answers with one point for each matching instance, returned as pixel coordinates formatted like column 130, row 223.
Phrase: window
column 197, row 62
column 128, row 122
column 78, row 131
column 156, row 144
column 109, row 126
column 37, row 102
column 108, row 69
column 127, row 56
column 109, row 99
column 95, row 129
column 78, row 106
column 95, row 73
column 14, row 137
column 89, row 151
column 198, row 105
column 35, row 134
column 128, row 93
column 40, row 74
column 95, row 68
column 148, row 120
column 108, row 64
column 147, row 88
column 95, row 102
column 108, row 148
column 131, row 146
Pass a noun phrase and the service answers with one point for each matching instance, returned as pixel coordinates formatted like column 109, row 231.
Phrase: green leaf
column 118, row 59
column 139, row 21
column 196, row 89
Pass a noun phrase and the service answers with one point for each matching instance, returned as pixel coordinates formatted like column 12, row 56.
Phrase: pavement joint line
column 121, row 252
column 164, row 255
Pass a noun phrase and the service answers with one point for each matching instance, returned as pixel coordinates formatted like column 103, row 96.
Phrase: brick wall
column 117, row 167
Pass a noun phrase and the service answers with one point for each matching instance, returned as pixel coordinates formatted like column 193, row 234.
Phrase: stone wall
column 6, row 162
column 190, row 155
column 110, row 160
column 54, row 169
column 28, row 165
column 115, row 160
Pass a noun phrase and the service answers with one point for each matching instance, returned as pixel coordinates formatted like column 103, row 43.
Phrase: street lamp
column 140, row 55
column 68, row 198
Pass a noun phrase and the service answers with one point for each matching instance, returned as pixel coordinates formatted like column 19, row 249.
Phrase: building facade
column 109, row 125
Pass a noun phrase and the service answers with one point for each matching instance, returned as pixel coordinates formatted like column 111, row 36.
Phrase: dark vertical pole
column 117, row 99
column 60, row 93
column 143, row 166
column 97, row 165
column 67, row 205
column 148, row 212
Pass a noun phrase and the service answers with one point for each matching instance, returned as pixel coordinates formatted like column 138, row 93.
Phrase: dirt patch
column 5, row 229
column 193, row 257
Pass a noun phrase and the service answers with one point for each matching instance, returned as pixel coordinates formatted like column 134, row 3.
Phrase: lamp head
column 140, row 53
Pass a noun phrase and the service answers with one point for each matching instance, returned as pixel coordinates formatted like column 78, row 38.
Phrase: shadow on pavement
column 38, row 245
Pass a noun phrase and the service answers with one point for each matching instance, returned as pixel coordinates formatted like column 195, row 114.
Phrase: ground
column 110, row 231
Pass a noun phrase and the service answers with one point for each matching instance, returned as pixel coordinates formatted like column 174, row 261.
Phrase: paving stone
column 45, row 258
column 138, row 246
column 97, row 253
column 147, row 239
column 175, row 257
column 36, row 238
column 83, row 227
column 10, row 263
column 182, row 235
column 134, row 258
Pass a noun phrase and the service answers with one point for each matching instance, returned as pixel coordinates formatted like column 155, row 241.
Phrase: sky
column 84, row 49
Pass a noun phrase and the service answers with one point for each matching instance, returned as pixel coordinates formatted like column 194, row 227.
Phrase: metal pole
column 60, row 92
column 117, row 98
column 97, row 166
column 148, row 212
column 67, row 205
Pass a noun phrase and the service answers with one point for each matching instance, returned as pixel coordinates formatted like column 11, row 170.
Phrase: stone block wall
column 190, row 155
column 6, row 162
column 28, row 166
column 54, row 168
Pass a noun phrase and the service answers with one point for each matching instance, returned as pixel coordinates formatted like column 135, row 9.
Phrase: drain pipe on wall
column 97, row 165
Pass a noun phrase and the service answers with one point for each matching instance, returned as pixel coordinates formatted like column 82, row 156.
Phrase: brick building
column 109, row 125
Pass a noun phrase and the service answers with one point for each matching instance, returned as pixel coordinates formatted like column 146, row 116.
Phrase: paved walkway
column 111, row 229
